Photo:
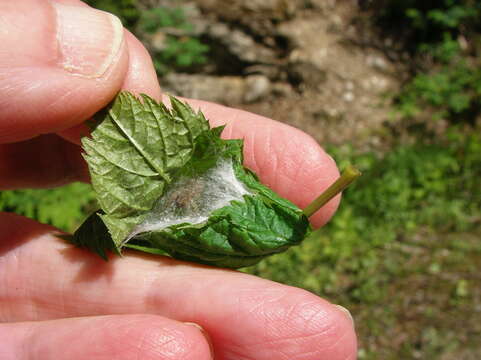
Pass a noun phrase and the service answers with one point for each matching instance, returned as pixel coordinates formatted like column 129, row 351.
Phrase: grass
column 424, row 185
column 426, row 306
column 64, row 207
column 401, row 250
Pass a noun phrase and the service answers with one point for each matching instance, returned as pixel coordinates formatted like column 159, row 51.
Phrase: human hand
column 60, row 63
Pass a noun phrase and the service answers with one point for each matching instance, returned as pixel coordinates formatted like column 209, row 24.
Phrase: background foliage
column 180, row 49
column 126, row 10
column 64, row 207
column 444, row 36
column 403, row 251
column 411, row 187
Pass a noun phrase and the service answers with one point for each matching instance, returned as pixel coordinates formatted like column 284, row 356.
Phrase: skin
column 60, row 302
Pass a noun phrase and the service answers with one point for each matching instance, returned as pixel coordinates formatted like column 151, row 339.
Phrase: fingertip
column 82, row 58
column 141, row 77
column 75, row 133
column 58, row 89
column 294, row 165
column 298, row 324
column 152, row 337
column 321, row 172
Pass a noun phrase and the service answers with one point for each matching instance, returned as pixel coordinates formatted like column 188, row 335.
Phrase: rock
column 257, row 15
column 303, row 65
column 237, row 9
column 257, row 87
column 377, row 62
column 228, row 90
column 240, row 44
column 158, row 41
column 271, row 71
column 348, row 96
column 307, row 74
column 326, row 6
column 281, row 89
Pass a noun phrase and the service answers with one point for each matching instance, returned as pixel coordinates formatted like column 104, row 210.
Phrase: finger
column 42, row 162
column 59, row 64
column 105, row 337
column 247, row 317
column 141, row 78
column 71, row 78
column 48, row 160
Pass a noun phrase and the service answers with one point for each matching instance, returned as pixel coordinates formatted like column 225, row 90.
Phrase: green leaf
column 236, row 235
column 136, row 148
column 167, row 183
column 93, row 235
column 133, row 153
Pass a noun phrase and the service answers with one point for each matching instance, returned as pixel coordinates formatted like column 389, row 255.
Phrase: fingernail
column 89, row 40
column 206, row 335
column 345, row 311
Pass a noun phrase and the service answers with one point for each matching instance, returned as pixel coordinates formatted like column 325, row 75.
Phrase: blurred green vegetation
column 180, row 48
column 428, row 22
column 64, row 207
column 445, row 38
column 411, row 187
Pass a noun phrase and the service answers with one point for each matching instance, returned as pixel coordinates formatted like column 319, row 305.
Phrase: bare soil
column 299, row 62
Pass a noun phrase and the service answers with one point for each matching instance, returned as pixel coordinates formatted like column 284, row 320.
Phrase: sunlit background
column 393, row 86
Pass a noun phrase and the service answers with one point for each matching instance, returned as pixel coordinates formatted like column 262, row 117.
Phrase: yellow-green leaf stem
column 347, row 177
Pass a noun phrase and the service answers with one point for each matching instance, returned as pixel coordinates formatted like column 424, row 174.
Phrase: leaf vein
column 138, row 147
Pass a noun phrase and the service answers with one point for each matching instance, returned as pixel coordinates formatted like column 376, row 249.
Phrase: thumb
column 60, row 62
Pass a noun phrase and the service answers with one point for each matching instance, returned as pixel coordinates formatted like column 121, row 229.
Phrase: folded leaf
column 167, row 183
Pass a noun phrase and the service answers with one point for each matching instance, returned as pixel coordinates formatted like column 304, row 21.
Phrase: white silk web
column 192, row 200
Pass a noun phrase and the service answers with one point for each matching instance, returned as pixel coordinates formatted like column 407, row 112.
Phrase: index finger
column 246, row 317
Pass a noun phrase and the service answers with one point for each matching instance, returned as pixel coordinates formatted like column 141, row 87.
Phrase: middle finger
column 247, row 317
